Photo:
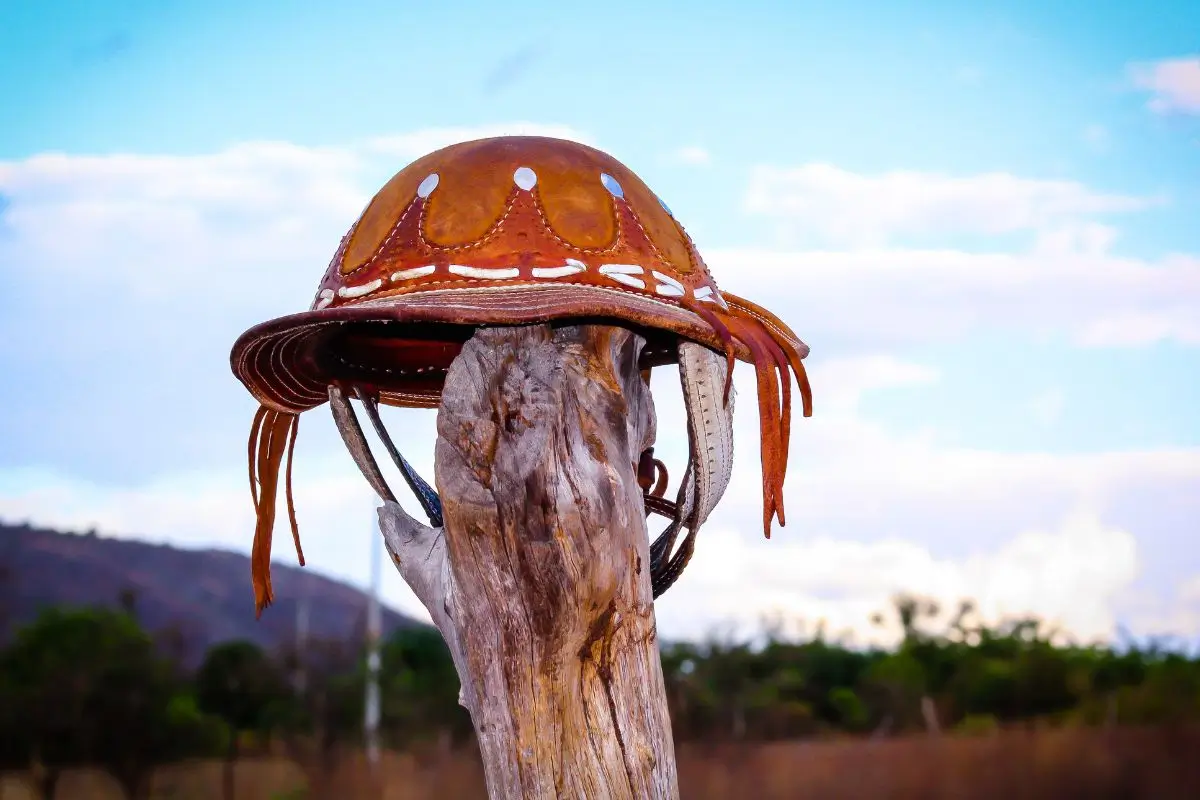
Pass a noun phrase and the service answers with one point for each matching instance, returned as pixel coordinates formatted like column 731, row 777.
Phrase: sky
column 983, row 219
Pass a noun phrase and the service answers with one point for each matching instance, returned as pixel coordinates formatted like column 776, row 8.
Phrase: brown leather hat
column 501, row 231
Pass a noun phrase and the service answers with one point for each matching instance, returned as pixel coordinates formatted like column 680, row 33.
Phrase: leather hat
column 501, row 231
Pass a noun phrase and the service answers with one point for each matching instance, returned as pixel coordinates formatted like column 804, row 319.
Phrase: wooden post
column 540, row 581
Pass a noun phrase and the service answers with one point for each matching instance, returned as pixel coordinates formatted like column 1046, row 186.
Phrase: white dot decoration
column 611, row 184
column 525, row 178
column 428, row 185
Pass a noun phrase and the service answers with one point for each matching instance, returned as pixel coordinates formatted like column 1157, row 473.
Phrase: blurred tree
column 127, row 599
column 239, row 684
column 895, row 685
column 8, row 579
column 14, row 751
column 851, row 712
column 86, row 687
column 89, row 687
column 327, row 711
column 419, row 689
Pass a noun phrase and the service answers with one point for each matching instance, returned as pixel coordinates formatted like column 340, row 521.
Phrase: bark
column 540, row 581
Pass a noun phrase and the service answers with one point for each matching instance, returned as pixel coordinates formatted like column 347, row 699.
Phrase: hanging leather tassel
column 782, row 335
column 271, row 435
column 777, row 355
column 287, row 488
column 770, row 426
column 785, row 414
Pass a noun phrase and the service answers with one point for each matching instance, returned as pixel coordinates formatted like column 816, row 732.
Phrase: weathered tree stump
column 540, row 579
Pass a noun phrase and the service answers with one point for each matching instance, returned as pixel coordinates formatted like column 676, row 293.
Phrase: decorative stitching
column 494, row 230
column 246, row 357
column 616, row 220
column 298, row 384
column 662, row 259
column 473, row 286
column 488, row 235
column 620, row 273
column 388, row 370
column 467, row 287
column 289, row 394
column 335, row 264
column 767, row 323
column 498, row 224
column 391, row 235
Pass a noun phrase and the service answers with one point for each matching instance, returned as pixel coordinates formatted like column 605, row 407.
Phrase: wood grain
column 540, row 579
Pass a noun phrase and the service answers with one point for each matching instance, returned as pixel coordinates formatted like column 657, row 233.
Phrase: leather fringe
column 272, row 435
column 775, row 361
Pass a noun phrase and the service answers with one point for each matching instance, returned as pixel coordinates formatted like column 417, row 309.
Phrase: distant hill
column 203, row 595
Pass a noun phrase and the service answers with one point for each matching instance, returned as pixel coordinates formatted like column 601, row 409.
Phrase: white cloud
column 1175, row 615
column 852, row 208
column 1174, row 84
column 884, row 299
column 1081, row 239
column 244, row 234
column 1189, row 591
column 152, row 265
column 870, row 513
column 161, row 219
column 1072, row 576
column 693, row 154
column 873, row 512
column 223, row 226
column 847, row 379
column 193, row 508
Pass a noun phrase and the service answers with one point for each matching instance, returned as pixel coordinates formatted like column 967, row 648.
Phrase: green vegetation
column 966, row 678
column 90, row 687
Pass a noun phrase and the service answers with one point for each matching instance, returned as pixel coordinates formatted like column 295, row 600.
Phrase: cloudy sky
column 984, row 222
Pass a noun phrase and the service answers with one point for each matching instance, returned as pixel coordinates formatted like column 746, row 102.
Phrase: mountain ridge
column 198, row 596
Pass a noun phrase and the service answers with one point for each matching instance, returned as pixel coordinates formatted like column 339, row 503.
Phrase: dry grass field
column 1160, row 763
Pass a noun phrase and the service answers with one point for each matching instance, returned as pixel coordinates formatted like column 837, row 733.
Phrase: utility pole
column 374, row 632
column 300, row 676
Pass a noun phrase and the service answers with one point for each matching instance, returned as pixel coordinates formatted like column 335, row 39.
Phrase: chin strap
column 709, row 399
column 652, row 477
column 431, row 504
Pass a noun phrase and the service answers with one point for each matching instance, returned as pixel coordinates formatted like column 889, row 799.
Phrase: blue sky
column 981, row 217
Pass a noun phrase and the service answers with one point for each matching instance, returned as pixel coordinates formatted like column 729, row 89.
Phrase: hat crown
column 516, row 210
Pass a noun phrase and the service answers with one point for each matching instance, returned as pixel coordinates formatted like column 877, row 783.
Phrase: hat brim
column 401, row 345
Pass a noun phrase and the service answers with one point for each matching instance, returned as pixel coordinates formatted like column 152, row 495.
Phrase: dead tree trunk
column 540, row 581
